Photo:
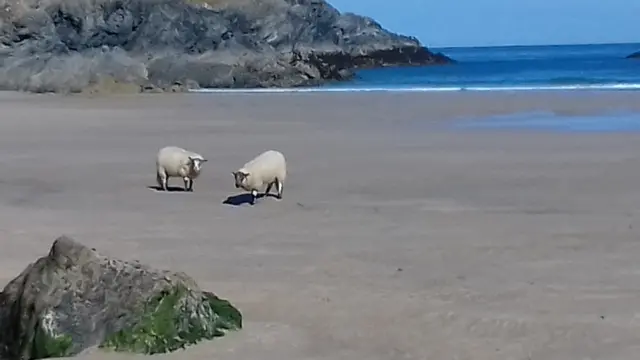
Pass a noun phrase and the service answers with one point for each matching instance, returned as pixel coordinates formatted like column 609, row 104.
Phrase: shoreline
column 436, row 106
column 417, row 89
column 401, row 107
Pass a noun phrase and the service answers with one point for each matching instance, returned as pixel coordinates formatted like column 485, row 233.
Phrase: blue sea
column 511, row 68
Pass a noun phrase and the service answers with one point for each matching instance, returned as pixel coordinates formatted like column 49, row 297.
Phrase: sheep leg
column 266, row 193
column 188, row 184
column 161, row 178
column 280, row 187
column 254, row 196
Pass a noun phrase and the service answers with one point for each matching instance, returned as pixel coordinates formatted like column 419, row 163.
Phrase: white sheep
column 173, row 161
column 268, row 168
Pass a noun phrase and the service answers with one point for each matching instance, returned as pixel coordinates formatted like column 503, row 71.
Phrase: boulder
column 74, row 299
column 70, row 45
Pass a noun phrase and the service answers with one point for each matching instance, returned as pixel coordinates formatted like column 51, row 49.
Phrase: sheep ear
column 204, row 160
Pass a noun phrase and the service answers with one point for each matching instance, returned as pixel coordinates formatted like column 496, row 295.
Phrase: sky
column 443, row 23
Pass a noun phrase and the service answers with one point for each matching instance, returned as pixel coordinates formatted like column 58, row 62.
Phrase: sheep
column 173, row 161
column 268, row 168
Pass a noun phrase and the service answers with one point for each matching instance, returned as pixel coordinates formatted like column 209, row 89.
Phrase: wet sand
column 400, row 235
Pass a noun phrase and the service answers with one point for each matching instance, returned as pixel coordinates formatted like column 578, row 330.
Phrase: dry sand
column 398, row 237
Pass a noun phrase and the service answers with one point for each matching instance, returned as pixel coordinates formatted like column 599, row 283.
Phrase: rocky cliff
column 70, row 45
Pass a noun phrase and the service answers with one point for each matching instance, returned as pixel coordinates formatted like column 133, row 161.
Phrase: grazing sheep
column 173, row 161
column 268, row 168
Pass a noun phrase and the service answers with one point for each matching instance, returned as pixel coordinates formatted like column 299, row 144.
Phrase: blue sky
column 439, row 23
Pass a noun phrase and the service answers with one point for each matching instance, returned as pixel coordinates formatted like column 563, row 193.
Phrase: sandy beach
column 400, row 236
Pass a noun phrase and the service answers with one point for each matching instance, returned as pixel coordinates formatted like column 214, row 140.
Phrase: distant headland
column 176, row 45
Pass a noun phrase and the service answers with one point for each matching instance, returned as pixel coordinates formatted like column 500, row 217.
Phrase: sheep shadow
column 241, row 199
column 169, row 188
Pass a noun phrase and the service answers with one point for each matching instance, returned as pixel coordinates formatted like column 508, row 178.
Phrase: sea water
column 611, row 122
column 511, row 68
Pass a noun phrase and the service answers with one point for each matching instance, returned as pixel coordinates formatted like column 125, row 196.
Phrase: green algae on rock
column 48, row 345
column 175, row 319
column 74, row 299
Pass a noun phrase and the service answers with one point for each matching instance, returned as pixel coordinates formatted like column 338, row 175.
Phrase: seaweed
column 177, row 317
column 47, row 346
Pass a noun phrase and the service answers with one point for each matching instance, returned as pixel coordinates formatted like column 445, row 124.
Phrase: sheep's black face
column 239, row 178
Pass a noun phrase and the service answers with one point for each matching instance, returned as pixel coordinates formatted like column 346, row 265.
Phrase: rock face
column 75, row 298
column 635, row 55
column 69, row 45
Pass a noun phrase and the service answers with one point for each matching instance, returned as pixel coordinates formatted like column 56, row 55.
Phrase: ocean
column 515, row 68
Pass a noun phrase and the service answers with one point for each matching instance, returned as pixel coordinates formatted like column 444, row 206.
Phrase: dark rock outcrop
column 635, row 55
column 75, row 298
column 67, row 46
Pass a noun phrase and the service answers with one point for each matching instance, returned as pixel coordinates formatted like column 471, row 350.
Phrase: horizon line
column 528, row 45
